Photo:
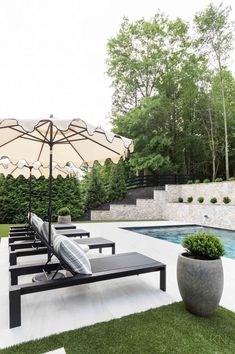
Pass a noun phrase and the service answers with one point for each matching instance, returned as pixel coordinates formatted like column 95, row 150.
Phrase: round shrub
column 219, row 180
column 190, row 181
column 203, row 246
column 190, row 199
column 200, row 199
column 213, row 200
column 64, row 211
column 197, row 181
column 206, row 180
column 180, row 200
column 232, row 179
column 226, row 200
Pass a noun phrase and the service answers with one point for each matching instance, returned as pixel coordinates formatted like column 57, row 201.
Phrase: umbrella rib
column 10, row 141
column 73, row 147
column 96, row 142
column 43, row 143
column 70, row 136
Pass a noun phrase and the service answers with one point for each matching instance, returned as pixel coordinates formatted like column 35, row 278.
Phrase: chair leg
column 12, row 259
column 14, row 308
column 163, row 279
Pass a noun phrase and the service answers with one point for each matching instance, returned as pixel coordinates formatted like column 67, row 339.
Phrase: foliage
column 206, row 180
column 213, row 200
column 180, row 200
column 117, row 184
column 190, row 181
column 232, row 179
column 190, row 199
column 64, row 211
column 14, row 198
column 219, row 180
column 165, row 90
column 204, row 245
column 200, row 199
column 226, row 200
column 197, row 181
column 95, row 192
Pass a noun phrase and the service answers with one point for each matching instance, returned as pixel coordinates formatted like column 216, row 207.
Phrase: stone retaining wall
column 165, row 206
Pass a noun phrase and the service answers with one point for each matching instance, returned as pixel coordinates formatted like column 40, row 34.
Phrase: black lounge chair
column 24, row 231
column 93, row 243
column 69, row 233
column 111, row 267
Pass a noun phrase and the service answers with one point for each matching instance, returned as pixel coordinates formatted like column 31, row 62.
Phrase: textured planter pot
column 64, row 219
column 200, row 284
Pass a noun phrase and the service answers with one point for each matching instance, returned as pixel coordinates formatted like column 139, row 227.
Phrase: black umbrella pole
column 30, row 194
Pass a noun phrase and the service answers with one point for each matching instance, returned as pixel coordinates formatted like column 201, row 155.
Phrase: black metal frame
column 41, row 249
column 16, row 291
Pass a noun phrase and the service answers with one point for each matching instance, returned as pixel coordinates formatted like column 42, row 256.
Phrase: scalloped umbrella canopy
column 63, row 141
column 73, row 141
column 22, row 169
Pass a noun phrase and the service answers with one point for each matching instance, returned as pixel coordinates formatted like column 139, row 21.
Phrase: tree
column 95, row 192
column 117, row 184
column 215, row 36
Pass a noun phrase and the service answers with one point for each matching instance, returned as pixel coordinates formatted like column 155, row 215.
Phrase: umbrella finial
column 51, row 116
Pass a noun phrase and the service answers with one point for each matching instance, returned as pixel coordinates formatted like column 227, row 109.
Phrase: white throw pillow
column 72, row 254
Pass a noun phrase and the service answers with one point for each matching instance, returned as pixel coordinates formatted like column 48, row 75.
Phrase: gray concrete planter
column 200, row 283
column 66, row 219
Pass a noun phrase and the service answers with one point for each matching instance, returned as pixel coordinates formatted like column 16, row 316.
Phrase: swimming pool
column 175, row 234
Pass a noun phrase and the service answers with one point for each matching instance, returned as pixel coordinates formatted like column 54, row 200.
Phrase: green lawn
column 4, row 229
column 169, row 329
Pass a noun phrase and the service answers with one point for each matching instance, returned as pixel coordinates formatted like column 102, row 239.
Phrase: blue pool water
column 176, row 234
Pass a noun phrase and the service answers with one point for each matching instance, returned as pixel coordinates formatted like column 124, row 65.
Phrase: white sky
column 53, row 52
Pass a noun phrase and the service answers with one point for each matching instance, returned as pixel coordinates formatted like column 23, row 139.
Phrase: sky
column 53, row 53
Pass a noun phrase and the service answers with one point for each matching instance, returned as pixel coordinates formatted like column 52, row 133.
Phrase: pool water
column 175, row 234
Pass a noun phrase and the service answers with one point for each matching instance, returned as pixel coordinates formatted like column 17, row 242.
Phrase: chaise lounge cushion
column 72, row 254
column 45, row 231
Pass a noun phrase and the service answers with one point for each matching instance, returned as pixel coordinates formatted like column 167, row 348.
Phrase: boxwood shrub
column 180, row 200
column 64, row 211
column 206, row 180
column 219, row 180
column 232, row 179
column 203, row 246
column 226, row 200
column 200, row 199
column 190, row 199
column 197, row 181
column 190, row 181
column 213, row 200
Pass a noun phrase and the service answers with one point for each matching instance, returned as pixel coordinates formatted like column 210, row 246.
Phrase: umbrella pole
column 30, row 193
column 50, row 189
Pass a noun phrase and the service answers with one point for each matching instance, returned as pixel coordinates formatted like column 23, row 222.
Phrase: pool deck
column 60, row 310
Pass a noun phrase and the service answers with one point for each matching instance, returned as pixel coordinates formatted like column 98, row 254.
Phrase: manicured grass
column 4, row 229
column 169, row 329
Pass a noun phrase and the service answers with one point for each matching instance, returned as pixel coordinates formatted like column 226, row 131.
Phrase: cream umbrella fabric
column 60, row 140
column 73, row 141
column 36, row 170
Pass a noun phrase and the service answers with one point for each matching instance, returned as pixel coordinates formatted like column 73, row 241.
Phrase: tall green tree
column 117, row 188
column 95, row 192
column 215, row 36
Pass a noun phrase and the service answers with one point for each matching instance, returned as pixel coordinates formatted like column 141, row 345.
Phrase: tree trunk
column 225, row 122
column 212, row 147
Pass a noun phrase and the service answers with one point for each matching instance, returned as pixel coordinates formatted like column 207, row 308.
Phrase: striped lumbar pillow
column 72, row 254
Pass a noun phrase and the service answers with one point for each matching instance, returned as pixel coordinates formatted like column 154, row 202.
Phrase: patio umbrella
column 36, row 170
column 63, row 141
